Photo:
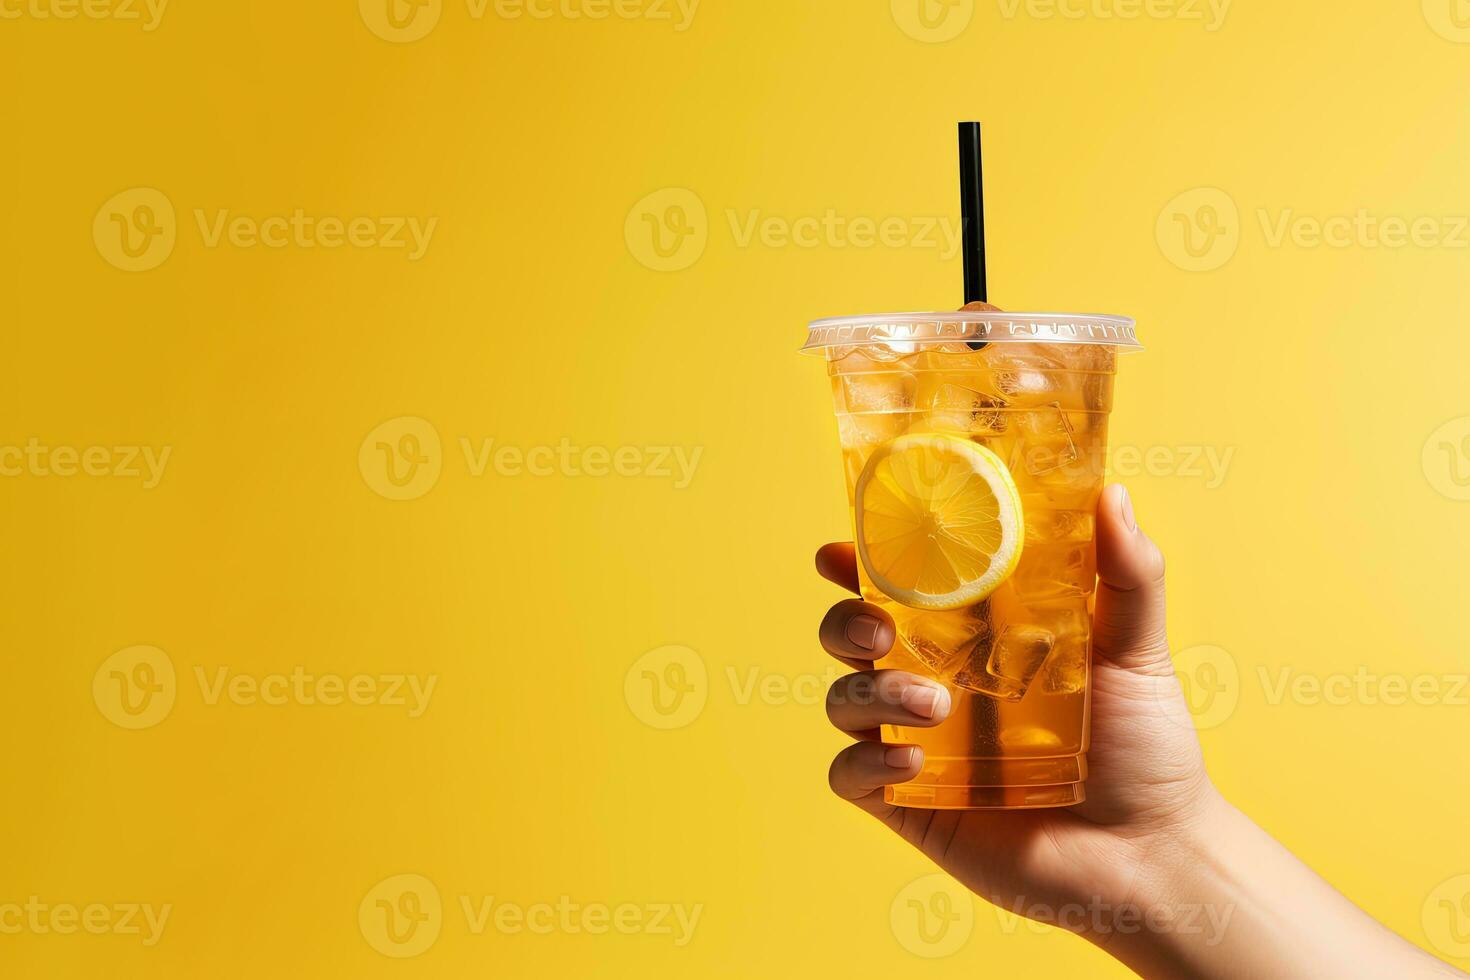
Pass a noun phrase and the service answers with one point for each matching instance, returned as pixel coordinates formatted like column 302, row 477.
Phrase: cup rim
column 970, row 326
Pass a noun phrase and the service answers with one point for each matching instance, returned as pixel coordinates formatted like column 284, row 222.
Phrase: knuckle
column 848, row 696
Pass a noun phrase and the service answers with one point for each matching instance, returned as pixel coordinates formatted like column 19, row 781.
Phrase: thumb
column 1128, row 628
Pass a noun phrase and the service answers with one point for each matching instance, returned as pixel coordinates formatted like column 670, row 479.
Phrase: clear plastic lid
column 974, row 325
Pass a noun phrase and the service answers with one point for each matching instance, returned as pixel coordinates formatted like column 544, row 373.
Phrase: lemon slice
column 939, row 522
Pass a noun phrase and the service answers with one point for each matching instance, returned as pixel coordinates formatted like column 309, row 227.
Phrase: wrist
column 1183, row 894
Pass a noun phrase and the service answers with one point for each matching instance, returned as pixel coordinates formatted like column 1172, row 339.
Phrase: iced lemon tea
column 984, row 557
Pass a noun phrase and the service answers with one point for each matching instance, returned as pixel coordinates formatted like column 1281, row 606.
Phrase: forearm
column 1230, row 901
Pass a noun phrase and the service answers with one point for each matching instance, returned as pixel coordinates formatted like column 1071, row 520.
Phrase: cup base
column 931, row 797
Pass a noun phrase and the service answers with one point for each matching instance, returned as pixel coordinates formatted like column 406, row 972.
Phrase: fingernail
column 899, row 757
column 1128, row 517
column 923, row 700
column 863, row 630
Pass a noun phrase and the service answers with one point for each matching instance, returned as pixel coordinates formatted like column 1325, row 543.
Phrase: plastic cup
column 1018, row 663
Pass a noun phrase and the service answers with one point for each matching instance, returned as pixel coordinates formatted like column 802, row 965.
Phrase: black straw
column 972, row 212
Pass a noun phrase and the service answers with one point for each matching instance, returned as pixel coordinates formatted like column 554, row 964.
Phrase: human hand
column 1146, row 785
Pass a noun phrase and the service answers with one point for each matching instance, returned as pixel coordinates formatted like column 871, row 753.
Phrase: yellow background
column 530, row 320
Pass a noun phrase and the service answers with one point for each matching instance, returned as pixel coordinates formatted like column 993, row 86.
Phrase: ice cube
column 1004, row 668
column 964, row 409
column 1019, row 651
column 1026, row 374
column 937, row 639
column 1025, row 385
column 974, row 677
column 862, row 432
column 1066, row 671
column 1045, row 442
column 1048, row 525
column 1055, row 571
column 1065, row 618
column 880, row 392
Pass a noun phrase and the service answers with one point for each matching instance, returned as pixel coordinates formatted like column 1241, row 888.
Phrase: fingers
column 857, row 632
column 1129, row 623
column 860, row 771
column 858, row 703
column 837, row 563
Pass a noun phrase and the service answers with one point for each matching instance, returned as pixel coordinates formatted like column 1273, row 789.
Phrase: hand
column 1146, row 784
column 1152, row 835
